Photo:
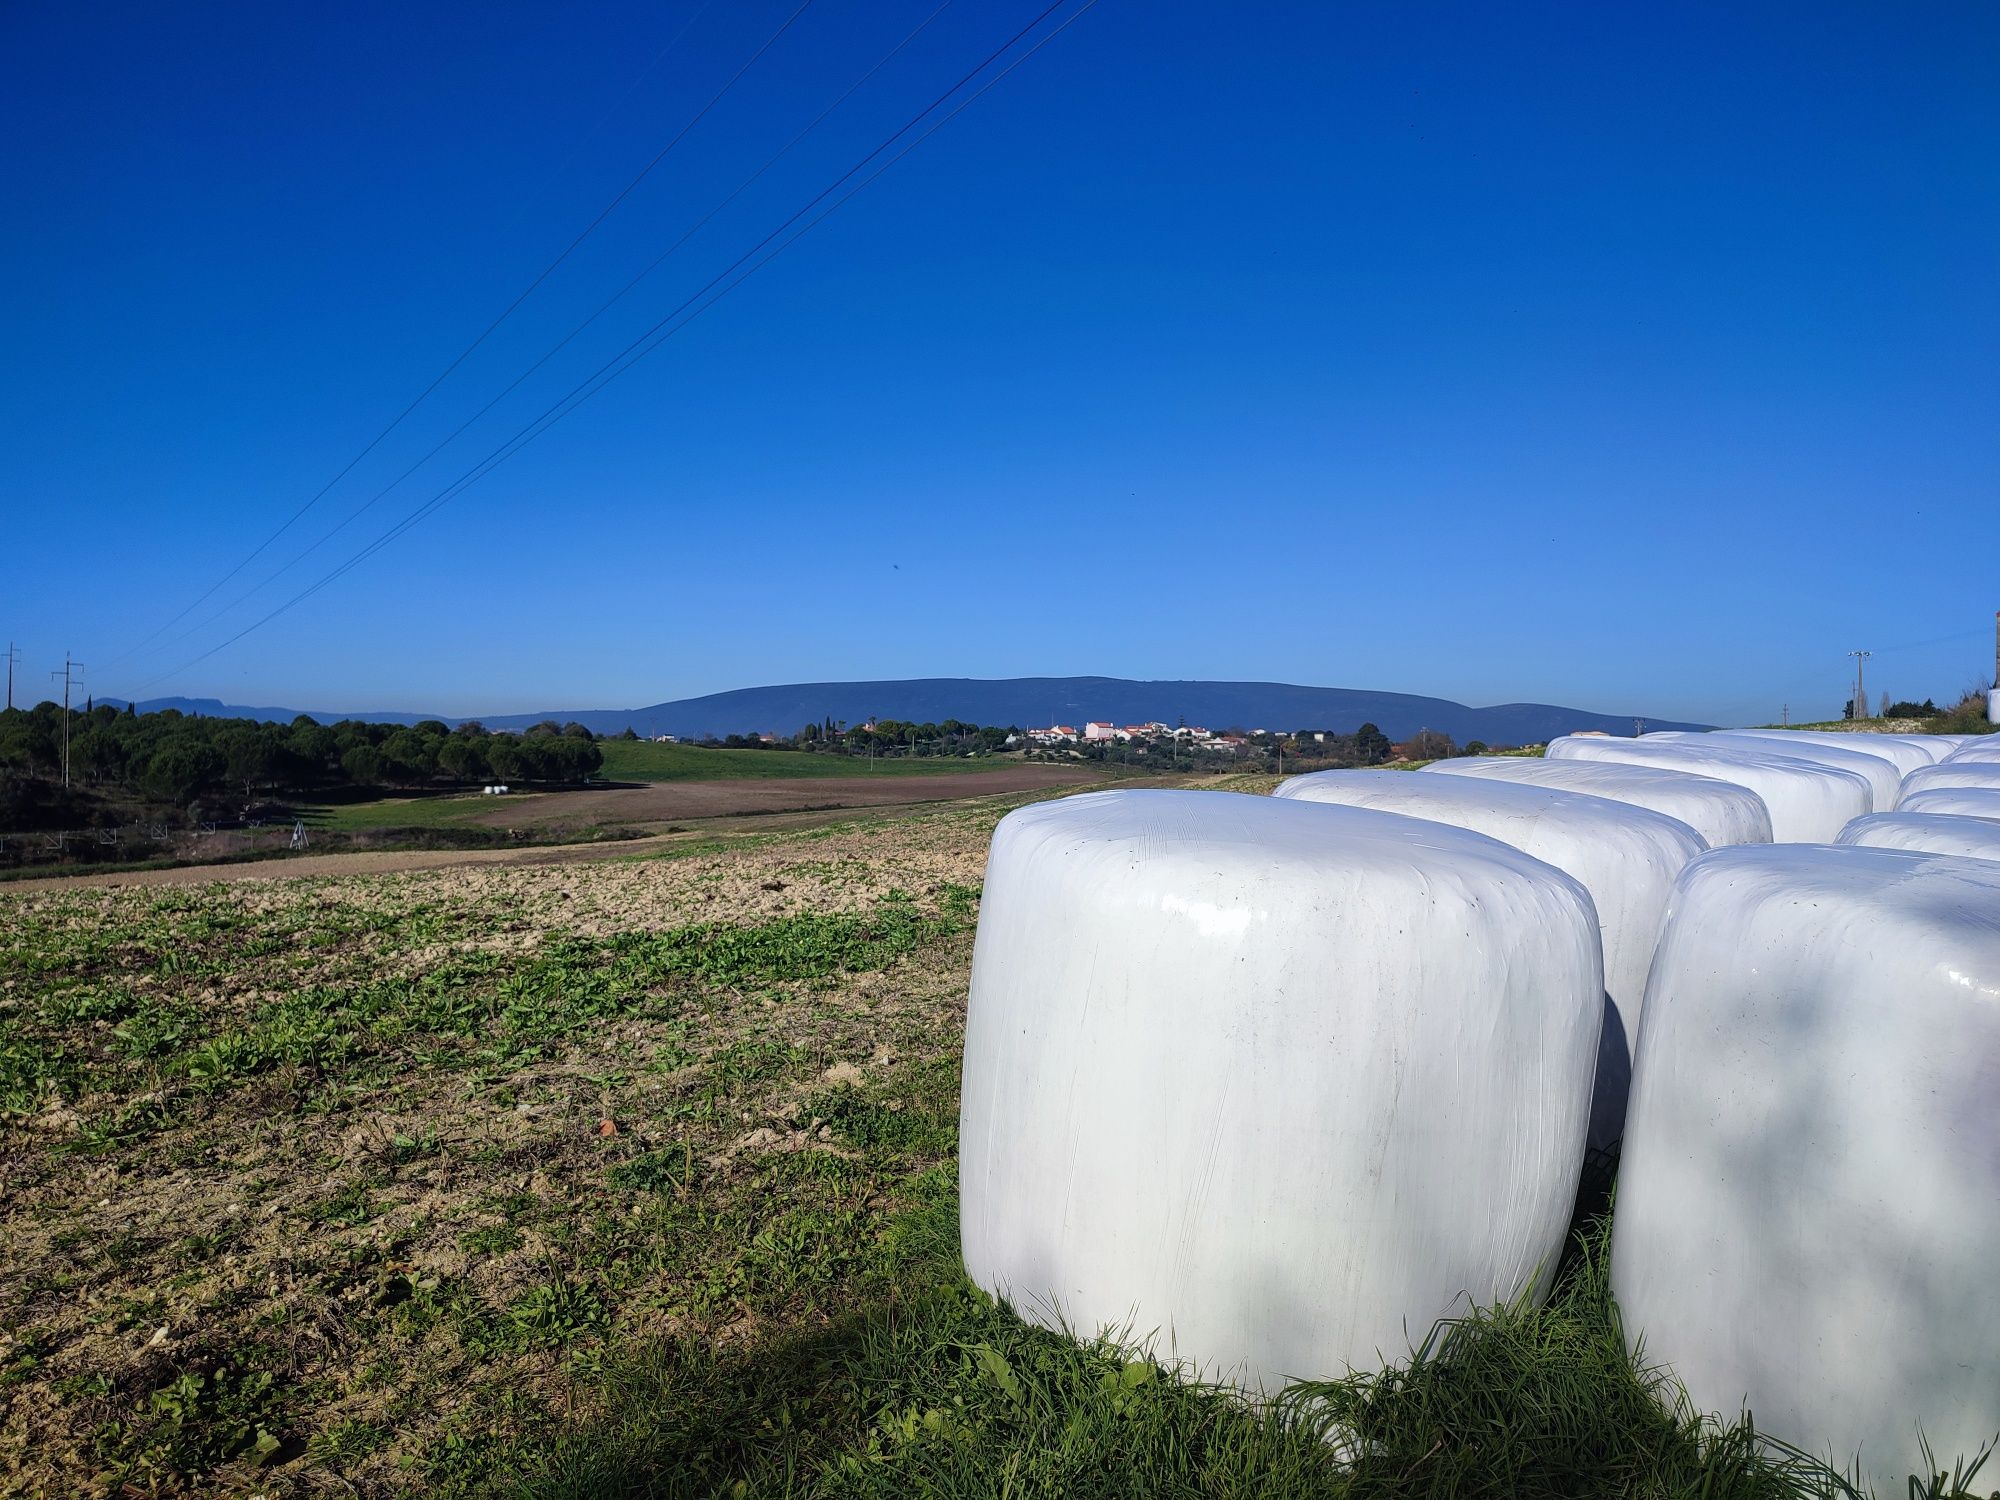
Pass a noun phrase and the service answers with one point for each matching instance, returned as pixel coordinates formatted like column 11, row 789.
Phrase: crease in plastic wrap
column 1959, row 801
column 1266, row 1087
column 1627, row 858
column 1722, row 812
column 1809, row 804
column 1963, row 773
column 1906, row 752
column 1884, row 778
column 1809, row 1199
column 1927, row 833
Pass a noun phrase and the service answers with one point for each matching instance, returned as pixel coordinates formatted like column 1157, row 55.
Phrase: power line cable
column 1936, row 640
column 567, row 338
column 466, row 353
column 633, row 87
column 658, row 335
column 666, row 327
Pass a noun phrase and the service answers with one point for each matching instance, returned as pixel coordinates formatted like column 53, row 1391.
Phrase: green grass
column 930, row 1388
column 412, row 810
column 451, row 1197
column 643, row 760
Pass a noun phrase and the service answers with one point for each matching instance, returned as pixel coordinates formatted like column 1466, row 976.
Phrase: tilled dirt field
column 975, row 791
column 678, row 801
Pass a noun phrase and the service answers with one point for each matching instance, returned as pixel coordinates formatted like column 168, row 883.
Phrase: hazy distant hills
column 1029, row 701
column 215, row 708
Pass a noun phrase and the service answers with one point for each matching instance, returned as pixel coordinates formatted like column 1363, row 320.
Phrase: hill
column 1030, row 701
column 1072, row 700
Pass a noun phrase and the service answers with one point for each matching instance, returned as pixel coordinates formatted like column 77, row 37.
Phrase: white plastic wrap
column 1926, row 833
column 1939, row 745
column 1809, row 1198
column 1959, row 801
column 1884, row 778
column 1978, row 747
column 1626, row 857
column 1905, row 753
column 1808, row 803
column 1721, row 812
column 1269, row 1086
column 1959, row 773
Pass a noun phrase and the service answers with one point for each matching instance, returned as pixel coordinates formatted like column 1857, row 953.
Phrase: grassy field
column 642, row 760
column 422, row 810
column 632, row 1178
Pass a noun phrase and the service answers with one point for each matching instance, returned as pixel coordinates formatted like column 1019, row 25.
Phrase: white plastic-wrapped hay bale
column 1809, row 1198
column 1959, row 773
column 1627, row 858
column 1885, row 780
column 1938, row 745
column 1959, row 801
column 1901, row 751
column 1978, row 747
column 1721, row 812
column 1269, row 1086
column 1926, row 833
column 1808, row 803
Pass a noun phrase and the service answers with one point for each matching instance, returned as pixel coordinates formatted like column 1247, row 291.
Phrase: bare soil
column 679, row 801
column 754, row 813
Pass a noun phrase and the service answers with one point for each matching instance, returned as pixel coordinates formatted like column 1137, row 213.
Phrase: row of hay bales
column 1268, row 1086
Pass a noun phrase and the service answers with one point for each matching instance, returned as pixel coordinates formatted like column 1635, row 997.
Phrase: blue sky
column 1635, row 358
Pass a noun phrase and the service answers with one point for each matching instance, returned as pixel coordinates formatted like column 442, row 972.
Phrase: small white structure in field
column 1267, row 1086
column 1926, row 833
column 1902, row 751
column 1809, row 1198
column 1721, row 812
column 1808, row 803
column 1959, row 773
column 1960, row 801
column 1625, row 856
column 1885, row 780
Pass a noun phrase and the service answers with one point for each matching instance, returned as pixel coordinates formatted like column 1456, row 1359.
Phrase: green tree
column 365, row 766
column 182, row 769
column 462, row 759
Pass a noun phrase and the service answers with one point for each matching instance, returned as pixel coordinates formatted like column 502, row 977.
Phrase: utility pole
column 13, row 656
column 1785, row 715
column 72, row 672
column 1860, row 688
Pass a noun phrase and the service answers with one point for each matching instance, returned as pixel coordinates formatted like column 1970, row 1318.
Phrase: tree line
column 170, row 757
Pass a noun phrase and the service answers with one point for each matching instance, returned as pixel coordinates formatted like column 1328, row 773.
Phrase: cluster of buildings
column 1094, row 732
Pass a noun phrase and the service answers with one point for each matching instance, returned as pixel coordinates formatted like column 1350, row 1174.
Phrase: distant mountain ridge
column 1031, row 701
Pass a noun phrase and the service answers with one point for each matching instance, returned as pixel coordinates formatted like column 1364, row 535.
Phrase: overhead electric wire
column 667, row 326
column 528, row 291
column 1936, row 640
column 567, row 338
